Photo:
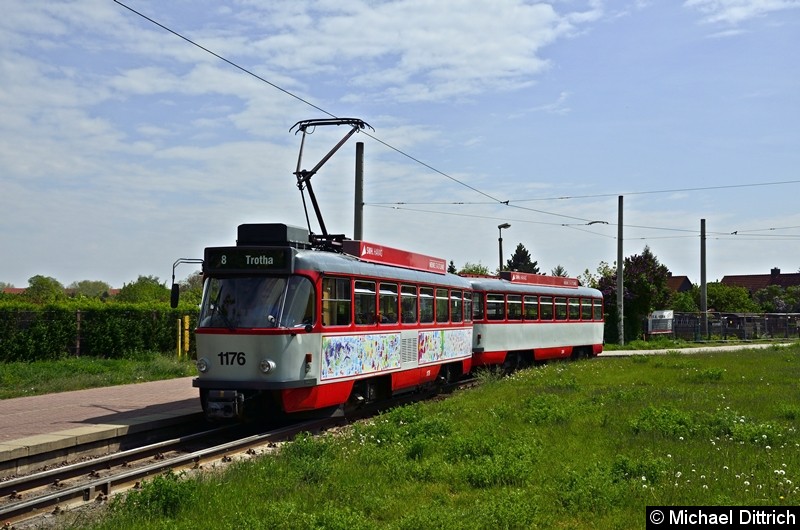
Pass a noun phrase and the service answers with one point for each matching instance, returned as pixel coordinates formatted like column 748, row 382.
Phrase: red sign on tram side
column 539, row 279
column 391, row 256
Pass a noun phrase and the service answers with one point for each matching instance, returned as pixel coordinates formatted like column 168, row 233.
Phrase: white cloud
column 734, row 12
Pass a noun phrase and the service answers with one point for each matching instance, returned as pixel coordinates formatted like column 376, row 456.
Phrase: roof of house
column 754, row 282
column 679, row 283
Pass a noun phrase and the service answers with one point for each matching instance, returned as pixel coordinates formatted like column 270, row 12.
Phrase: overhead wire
column 495, row 200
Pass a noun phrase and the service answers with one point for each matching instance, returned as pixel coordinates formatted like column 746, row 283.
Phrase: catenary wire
column 442, row 173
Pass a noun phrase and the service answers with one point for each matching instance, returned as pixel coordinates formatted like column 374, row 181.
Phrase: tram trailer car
column 284, row 328
column 521, row 318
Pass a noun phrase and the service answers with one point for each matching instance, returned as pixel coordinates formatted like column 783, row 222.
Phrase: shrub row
column 31, row 332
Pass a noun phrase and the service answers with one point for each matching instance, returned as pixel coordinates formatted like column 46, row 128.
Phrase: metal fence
column 730, row 326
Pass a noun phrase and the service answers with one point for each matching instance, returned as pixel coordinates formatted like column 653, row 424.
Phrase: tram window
column 561, row 308
column 531, row 307
column 336, row 301
column 365, row 302
column 298, row 308
column 456, row 306
column 598, row 309
column 495, row 306
column 574, row 309
column 442, row 306
column 514, row 307
column 426, row 305
column 586, row 309
column 388, row 303
column 467, row 307
column 477, row 306
column 408, row 304
column 546, row 307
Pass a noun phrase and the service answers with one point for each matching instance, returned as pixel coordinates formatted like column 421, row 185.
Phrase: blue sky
column 125, row 147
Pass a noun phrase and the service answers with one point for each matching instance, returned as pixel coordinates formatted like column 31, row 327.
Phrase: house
column 754, row 282
column 679, row 284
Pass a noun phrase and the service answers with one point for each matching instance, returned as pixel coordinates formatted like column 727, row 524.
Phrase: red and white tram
column 286, row 328
column 520, row 318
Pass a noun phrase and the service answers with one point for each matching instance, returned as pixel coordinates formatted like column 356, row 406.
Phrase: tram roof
column 506, row 286
column 331, row 262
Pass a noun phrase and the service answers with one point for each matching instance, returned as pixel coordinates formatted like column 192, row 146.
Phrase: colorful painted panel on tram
column 344, row 356
column 444, row 344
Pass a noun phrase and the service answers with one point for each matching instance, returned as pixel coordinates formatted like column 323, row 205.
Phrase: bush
column 30, row 332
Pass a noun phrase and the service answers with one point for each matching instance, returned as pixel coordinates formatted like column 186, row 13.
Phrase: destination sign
column 245, row 259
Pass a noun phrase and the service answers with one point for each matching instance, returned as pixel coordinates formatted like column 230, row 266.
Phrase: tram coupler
column 225, row 404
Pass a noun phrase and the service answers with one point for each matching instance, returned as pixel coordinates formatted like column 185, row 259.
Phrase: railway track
column 64, row 488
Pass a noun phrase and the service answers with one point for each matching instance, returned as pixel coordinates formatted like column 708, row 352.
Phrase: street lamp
column 500, row 242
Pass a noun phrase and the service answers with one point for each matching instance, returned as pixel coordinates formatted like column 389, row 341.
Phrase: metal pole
column 620, row 279
column 500, row 247
column 358, row 217
column 500, row 243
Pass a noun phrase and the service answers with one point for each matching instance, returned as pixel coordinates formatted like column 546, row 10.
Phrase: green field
column 564, row 445
column 19, row 379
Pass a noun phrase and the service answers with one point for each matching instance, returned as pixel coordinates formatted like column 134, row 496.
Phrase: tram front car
column 255, row 329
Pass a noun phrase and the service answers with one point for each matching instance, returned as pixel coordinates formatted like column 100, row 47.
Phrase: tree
column 521, row 261
column 685, row 302
column 144, row 289
column 729, row 298
column 645, row 290
column 559, row 271
column 452, row 268
column 44, row 290
column 776, row 299
column 474, row 268
column 192, row 288
column 591, row 280
column 89, row 289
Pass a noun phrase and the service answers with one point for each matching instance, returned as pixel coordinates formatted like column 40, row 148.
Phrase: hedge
column 30, row 332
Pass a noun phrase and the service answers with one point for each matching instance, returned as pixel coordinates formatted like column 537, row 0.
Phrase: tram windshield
column 257, row 302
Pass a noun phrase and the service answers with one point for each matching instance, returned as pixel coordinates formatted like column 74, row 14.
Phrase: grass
column 20, row 379
column 564, row 445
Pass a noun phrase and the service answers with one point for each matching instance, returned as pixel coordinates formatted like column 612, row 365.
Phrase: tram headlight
column 266, row 366
column 202, row 365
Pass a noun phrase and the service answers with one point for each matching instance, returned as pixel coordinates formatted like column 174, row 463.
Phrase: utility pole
column 358, row 217
column 703, row 284
column 620, row 280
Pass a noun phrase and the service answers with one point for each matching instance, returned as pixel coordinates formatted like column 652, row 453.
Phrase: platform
column 37, row 425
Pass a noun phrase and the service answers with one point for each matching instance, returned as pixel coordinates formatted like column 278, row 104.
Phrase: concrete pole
column 703, row 283
column 620, row 279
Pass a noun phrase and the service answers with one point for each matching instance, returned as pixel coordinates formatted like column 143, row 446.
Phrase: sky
column 138, row 132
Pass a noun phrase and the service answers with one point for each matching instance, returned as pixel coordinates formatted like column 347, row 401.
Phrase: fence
column 734, row 326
